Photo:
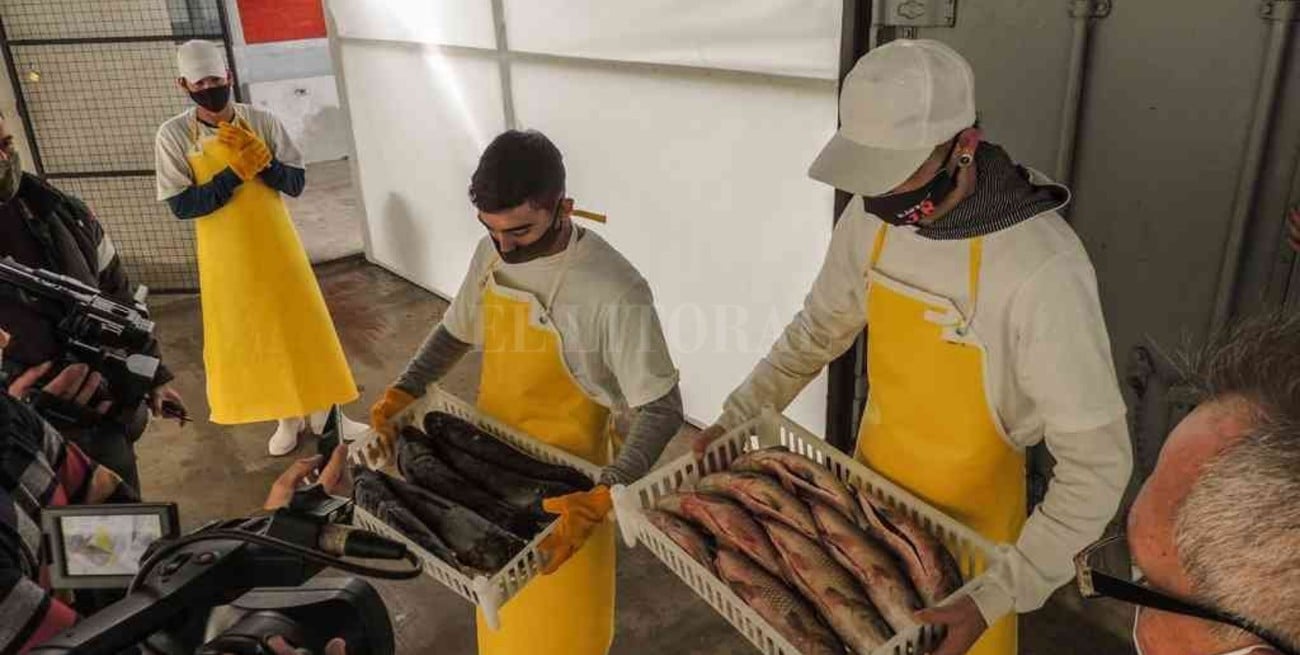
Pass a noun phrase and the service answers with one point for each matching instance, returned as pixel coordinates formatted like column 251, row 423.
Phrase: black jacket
column 74, row 243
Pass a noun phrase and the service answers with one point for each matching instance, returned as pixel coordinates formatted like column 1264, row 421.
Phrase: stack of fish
column 468, row 498
column 828, row 568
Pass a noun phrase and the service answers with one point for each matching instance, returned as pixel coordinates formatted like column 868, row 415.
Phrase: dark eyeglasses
column 1105, row 570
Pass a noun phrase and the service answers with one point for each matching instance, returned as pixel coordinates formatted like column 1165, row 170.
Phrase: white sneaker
column 285, row 439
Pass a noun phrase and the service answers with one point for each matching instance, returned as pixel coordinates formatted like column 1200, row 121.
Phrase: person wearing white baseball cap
column 986, row 333
column 269, row 346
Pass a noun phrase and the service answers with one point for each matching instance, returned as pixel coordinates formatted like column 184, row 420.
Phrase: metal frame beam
column 846, row 383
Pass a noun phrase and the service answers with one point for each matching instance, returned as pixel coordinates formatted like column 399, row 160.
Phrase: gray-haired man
column 1215, row 530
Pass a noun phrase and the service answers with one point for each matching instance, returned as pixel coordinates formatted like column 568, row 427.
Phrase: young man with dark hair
column 568, row 331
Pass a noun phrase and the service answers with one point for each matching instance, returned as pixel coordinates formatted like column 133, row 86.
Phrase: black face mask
column 911, row 207
column 213, row 99
column 536, row 249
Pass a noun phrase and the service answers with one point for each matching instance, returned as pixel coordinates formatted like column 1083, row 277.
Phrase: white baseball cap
column 200, row 59
column 899, row 102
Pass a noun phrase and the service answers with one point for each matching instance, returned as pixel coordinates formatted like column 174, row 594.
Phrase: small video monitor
column 101, row 546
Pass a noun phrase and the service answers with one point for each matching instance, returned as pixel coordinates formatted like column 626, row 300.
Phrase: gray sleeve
column 271, row 131
column 171, row 169
column 653, row 426
column 436, row 356
column 282, row 145
column 463, row 318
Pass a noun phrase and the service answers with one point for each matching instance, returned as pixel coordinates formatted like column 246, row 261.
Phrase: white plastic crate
column 489, row 593
column 974, row 553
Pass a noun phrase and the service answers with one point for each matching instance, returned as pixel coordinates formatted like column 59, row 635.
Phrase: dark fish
column 372, row 495
column 729, row 524
column 871, row 564
column 801, row 476
column 834, row 592
column 789, row 614
column 477, row 544
column 521, row 491
column 421, row 466
column 929, row 565
column 470, row 439
column 695, row 543
column 762, row 495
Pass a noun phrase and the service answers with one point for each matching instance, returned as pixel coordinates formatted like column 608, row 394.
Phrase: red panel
column 281, row 20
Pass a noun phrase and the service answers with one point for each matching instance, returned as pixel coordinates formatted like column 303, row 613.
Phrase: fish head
column 700, row 501
column 753, row 484
column 717, row 509
column 717, row 482
column 676, row 527
column 672, row 503
column 433, row 422
column 369, row 490
column 752, row 460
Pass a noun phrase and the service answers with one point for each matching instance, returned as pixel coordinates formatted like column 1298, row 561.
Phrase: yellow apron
column 269, row 346
column 525, row 383
column 929, row 425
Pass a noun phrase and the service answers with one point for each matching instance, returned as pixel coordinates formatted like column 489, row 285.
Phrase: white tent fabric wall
column 443, row 22
column 763, row 36
column 691, row 128
column 420, row 118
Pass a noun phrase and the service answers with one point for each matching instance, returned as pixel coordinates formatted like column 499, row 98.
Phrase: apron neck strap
column 564, row 266
column 973, row 274
column 973, row 277
column 879, row 247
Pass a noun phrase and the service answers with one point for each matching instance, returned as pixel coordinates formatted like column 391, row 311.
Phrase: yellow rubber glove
column 249, row 153
column 381, row 413
column 250, row 161
column 234, row 136
column 237, row 136
column 580, row 513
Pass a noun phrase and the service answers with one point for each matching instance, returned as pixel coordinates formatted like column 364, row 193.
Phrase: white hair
column 1238, row 530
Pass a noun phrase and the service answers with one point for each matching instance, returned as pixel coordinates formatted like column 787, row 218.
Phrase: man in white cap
column 986, row 334
column 269, row 346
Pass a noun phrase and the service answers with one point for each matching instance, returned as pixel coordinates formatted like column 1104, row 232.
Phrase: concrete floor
column 215, row 472
column 328, row 213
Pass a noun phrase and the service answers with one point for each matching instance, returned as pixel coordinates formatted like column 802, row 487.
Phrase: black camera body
column 263, row 568
column 308, row 617
column 112, row 338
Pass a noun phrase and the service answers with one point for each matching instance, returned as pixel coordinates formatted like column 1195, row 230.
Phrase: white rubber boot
column 352, row 429
column 285, row 439
column 349, row 428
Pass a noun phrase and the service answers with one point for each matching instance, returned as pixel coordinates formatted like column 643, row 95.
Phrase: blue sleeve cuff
column 286, row 179
column 203, row 199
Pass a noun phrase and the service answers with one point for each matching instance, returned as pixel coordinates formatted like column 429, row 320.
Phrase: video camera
column 260, row 567
column 110, row 337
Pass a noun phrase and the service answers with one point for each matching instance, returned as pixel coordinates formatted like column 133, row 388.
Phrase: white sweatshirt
column 1048, row 372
